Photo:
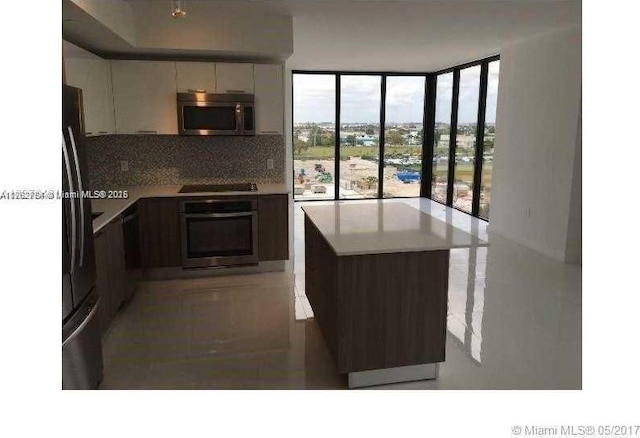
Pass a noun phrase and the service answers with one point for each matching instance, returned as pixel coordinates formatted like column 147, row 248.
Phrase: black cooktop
column 240, row 187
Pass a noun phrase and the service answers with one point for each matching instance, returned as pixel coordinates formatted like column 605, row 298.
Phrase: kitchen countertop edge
column 112, row 208
column 344, row 247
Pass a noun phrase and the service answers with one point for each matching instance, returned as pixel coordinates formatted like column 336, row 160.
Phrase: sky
column 314, row 97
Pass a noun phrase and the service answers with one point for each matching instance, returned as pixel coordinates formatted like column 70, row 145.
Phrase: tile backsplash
column 174, row 159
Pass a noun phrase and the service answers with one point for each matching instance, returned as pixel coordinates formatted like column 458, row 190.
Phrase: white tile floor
column 514, row 323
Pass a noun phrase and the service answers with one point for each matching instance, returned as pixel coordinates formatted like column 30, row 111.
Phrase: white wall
column 147, row 27
column 416, row 35
column 205, row 29
column 537, row 122
column 114, row 14
column 574, row 232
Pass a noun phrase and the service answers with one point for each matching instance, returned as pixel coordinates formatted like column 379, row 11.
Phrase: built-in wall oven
column 217, row 233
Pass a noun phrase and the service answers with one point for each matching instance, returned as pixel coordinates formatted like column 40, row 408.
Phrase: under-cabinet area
column 153, row 237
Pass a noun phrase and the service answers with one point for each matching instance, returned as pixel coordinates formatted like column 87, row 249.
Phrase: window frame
column 480, row 126
column 428, row 124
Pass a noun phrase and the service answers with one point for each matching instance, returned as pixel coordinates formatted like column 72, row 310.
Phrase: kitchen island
column 377, row 280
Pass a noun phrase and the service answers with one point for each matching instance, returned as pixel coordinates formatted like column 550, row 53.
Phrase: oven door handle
column 214, row 215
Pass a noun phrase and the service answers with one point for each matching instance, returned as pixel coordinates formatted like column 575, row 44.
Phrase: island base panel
column 386, row 376
column 378, row 311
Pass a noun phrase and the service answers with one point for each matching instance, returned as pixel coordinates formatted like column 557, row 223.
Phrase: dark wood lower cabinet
column 273, row 227
column 102, row 279
column 159, row 222
column 148, row 235
column 110, row 271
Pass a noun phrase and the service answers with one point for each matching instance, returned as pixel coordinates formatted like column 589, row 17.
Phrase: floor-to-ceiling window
column 360, row 135
column 360, row 98
column 314, row 113
column 489, row 138
column 403, row 135
column 464, row 134
column 467, row 125
column 442, row 132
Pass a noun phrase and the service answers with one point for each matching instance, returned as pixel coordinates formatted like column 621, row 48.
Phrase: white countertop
column 385, row 227
column 111, row 208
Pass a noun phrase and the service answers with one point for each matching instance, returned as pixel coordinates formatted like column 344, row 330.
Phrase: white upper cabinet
column 269, row 98
column 93, row 76
column 234, row 78
column 144, row 94
column 139, row 97
column 196, row 76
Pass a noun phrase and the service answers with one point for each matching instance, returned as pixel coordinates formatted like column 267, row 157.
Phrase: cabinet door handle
column 235, row 91
column 88, row 133
column 129, row 218
column 269, row 132
column 147, row 132
column 102, row 132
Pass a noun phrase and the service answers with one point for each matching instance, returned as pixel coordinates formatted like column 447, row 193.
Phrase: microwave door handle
column 239, row 118
column 80, row 192
column 65, row 153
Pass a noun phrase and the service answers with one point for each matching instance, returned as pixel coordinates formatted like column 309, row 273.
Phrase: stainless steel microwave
column 215, row 114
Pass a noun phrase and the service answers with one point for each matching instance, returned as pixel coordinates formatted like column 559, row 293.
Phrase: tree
column 488, row 145
column 395, row 138
column 351, row 140
column 326, row 139
column 314, row 131
column 369, row 181
column 300, row 146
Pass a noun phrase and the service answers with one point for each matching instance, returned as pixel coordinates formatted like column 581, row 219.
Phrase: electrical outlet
column 270, row 163
column 124, row 166
column 528, row 212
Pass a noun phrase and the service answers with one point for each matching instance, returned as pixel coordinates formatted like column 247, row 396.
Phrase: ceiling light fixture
column 178, row 8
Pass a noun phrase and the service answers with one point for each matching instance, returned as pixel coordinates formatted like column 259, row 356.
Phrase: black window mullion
column 383, row 97
column 428, row 135
column 452, row 135
column 428, row 123
column 293, row 139
column 336, row 141
column 479, row 147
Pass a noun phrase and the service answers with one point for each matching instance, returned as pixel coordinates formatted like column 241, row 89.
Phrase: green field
column 464, row 172
column 327, row 152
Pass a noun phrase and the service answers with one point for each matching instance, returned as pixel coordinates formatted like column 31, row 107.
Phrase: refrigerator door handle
column 80, row 193
column 73, row 205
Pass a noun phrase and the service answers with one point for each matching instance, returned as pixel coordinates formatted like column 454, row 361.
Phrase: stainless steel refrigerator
column 81, row 343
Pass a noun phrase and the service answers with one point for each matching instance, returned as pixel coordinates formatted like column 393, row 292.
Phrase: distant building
column 462, row 141
column 361, row 139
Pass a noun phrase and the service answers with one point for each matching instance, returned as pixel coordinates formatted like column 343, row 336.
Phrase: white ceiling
column 393, row 35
